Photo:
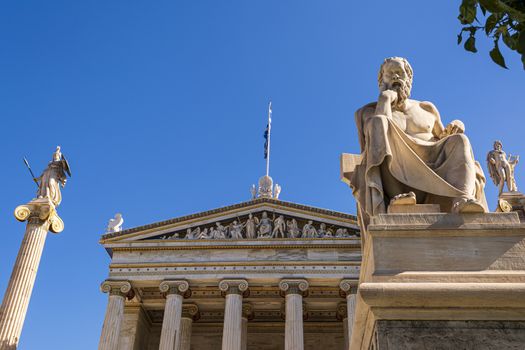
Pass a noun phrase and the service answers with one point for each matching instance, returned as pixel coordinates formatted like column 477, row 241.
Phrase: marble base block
column 444, row 281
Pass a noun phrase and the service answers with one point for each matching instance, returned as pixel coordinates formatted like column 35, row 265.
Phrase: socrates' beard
column 403, row 92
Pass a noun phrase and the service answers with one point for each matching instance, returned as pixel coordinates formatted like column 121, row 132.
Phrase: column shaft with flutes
column 232, row 331
column 41, row 217
column 190, row 313
column 294, row 291
column 175, row 292
column 118, row 291
column 348, row 290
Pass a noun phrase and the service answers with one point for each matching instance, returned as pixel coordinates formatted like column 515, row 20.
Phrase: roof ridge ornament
column 266, row 188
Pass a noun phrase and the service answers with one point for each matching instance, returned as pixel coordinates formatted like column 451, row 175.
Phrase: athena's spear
column 31, row 171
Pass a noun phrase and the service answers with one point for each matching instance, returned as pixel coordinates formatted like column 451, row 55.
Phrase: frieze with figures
column 259, row 226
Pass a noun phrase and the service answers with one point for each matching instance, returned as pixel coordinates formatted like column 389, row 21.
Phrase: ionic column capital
column 294, row 286
column 180, row 287
column 190, row 311
column 119, row 288
column 247, row 312
column 234, row 286
column 347, row 286
column 40, row 211
column 341, row 311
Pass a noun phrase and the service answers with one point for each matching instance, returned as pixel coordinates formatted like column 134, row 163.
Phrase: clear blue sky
column 161, row 106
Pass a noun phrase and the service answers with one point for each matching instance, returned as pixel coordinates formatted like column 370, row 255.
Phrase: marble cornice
column 229, row 244
column 259, row 202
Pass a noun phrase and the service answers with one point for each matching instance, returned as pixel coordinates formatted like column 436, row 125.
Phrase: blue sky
column 161, row 106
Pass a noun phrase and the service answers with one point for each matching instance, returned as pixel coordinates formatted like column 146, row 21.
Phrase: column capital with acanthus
column 234, row 286
column 180, row 287
column 294, row 286
column 119, row 288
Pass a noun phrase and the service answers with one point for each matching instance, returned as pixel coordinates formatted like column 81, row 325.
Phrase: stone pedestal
column 118, row 291
column 175, row 291
column 294, row 291
column 232, row 331
column 41, row 216
column 443, row 278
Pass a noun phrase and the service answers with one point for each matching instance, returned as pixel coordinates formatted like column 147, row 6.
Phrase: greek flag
column 267, row 132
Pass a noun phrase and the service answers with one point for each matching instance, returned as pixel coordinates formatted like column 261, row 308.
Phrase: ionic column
column 348, row 290
column 41, row 217
column 247, row 315
column 294, row 290
column 190, row 313
column 175, row 292
column 342, row 315
column 232, row 331
column 118, row 291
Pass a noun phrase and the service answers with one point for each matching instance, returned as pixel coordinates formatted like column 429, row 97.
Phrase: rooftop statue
column 501, row 169
column 408, row 155
column 115, row 224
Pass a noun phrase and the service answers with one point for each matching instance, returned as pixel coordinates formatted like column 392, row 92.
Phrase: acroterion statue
column 501, row 169
column 408, row 155
column 41, row 216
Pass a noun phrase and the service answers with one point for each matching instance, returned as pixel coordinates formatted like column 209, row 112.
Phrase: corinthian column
column 175, row 293
column 294, row 291
column 348, row 290
column 41, row 216
column 232, row 331
column 190, row 313
column 118, row 291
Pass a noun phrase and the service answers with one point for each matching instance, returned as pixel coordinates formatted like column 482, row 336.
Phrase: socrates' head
column 396, row 74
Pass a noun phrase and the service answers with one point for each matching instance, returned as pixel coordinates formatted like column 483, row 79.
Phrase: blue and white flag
column 267, row 132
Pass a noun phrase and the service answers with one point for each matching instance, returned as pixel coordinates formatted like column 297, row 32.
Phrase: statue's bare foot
column 463, row 205
column 404, row 199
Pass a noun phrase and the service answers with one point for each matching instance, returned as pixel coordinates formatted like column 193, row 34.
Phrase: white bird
column 115, row 224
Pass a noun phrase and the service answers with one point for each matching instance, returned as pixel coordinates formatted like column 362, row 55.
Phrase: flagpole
column 269, row 133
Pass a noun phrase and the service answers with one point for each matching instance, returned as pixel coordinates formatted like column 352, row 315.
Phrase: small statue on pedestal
column 501, row 169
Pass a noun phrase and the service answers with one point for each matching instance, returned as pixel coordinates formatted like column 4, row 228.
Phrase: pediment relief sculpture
column 260, row 225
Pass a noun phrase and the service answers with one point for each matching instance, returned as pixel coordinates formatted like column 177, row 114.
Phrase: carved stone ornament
column 294, row 286
column 248, row 312
column 191, row 311
column 180, row 287
column 234, row 286
column 342, row 311
column 347, row 286
column 43, row 210
column 120, row 288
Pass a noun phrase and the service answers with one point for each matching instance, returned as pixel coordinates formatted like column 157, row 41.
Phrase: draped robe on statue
column 439, row 171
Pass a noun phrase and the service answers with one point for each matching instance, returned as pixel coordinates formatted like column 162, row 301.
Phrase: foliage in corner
column 504, row 19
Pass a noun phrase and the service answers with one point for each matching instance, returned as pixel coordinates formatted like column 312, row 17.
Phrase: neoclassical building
column 263, row 274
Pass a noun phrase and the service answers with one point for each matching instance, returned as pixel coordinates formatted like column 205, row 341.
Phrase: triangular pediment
column 253, row 219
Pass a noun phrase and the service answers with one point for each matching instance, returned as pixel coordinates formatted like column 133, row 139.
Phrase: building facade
column 263, row 274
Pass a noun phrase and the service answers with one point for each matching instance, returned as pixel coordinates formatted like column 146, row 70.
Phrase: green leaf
column 491, row 5
column 523, row 60
column 497, row 57
column 510, row 40
column 467, row 11
column 491, row 22
column 483, row 10
column 470, row 44
column 521, row 43
column 460, row 38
